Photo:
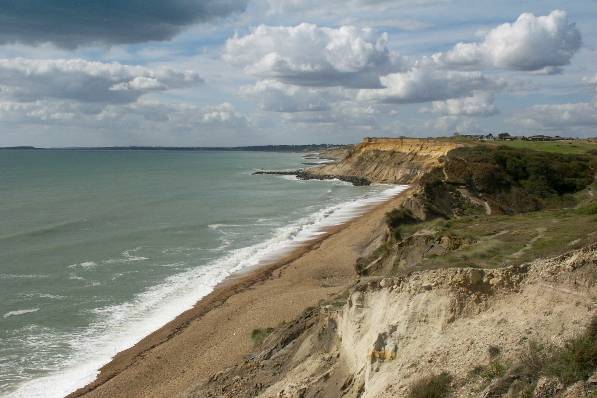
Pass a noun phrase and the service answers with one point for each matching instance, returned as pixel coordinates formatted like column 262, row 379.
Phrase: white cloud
column 423, row 84
column 560, row 117
column 274, row 96
column 570, row 118
column 143, row 121
column 531, row 43
column 140, row 83
column 175, row 115
column 479, row 104
column 447, row 125
column 591, row 80
column 308, row 55
column 86, row 81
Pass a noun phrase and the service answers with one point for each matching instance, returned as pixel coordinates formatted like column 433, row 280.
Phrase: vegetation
column 575, row 361
column 564, row 146
column 398, row 217
column 258, row 335
column 494, row 351
column 494, row 170
column 515, row 184
column 494, row 370
column 503, row 240
column 588, row 210
column 436, row 386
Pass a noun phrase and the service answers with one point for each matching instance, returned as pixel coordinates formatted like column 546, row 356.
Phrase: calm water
column 99, row 248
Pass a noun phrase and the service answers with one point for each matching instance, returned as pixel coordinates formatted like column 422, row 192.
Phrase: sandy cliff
column 388, row 160
column 390, row 332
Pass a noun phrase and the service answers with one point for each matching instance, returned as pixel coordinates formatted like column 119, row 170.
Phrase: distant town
column 509, row 137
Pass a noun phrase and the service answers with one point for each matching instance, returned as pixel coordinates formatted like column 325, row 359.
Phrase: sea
column 98, row 248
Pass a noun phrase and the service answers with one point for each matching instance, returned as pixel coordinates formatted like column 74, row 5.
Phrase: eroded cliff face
column 390, row 332
column 395, row 161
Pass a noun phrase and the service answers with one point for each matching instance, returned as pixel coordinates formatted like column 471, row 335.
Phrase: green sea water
column 99, row 248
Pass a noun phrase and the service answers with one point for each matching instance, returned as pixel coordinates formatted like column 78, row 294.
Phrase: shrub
column 493, row 370
column 494, row 351
column 577, row 359
column 491, row 170
column 397, row 217
column 258, row 335
column 436, row 386
column 588, row 210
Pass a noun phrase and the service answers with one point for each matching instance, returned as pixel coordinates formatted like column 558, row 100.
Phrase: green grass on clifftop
column 511, row 239
column 564, row 147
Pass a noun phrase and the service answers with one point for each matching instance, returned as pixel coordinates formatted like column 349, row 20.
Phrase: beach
column 216, row 332
column 89, row 267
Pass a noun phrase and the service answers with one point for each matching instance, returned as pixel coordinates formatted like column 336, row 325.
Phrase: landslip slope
column 389, row 332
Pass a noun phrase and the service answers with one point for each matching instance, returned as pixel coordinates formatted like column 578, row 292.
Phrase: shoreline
column 115, row 376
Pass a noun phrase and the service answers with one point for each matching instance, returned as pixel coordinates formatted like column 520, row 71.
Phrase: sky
column 252, row 72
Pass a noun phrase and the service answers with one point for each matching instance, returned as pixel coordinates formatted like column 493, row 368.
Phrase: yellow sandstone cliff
column 390, row 160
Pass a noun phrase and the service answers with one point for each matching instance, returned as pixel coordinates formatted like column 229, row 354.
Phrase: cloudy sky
column 241, row 72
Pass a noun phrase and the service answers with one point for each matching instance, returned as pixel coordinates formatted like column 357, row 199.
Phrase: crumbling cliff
column 390, row 332
column 390, row 160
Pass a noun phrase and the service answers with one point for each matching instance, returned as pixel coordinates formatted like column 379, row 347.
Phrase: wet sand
column 216, row 333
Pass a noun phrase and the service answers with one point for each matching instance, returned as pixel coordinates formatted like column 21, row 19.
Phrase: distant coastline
column 256, row 148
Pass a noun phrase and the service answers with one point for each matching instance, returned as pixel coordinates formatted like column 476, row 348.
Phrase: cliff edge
column 390, row 160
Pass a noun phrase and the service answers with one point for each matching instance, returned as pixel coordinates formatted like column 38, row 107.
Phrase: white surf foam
column 20, row 312
column 84, row 265
column 121, row 326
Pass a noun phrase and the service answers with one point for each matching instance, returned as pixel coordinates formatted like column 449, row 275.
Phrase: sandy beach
column 216, row 333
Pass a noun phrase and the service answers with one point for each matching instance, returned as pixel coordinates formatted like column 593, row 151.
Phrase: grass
column 587, row 210
column 435, row 386
column 494, row 370
column 258, row 335
column 564, row 146
column 503, row 240
column 577, row 359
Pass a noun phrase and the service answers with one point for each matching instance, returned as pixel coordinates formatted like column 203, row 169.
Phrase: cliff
column 388, row 160
column 388, row 333
column 481, row 284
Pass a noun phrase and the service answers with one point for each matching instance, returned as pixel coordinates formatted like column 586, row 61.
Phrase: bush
column 588, row 210
column 542, row 174
column 494, row 351
column 577, row 359
column 258, row 335
column 397, row 217
column 436, row 386
column 494, row 370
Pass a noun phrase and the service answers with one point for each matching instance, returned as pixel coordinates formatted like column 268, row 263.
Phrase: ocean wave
column 19, row 312
column 220, row 226
column 84, row 265
column 127, row 257
column 45, row 230
column 44, row 295
column 24, row 276
column 121, row 326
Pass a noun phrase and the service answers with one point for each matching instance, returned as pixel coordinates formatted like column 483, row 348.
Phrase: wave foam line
column 121, row 326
